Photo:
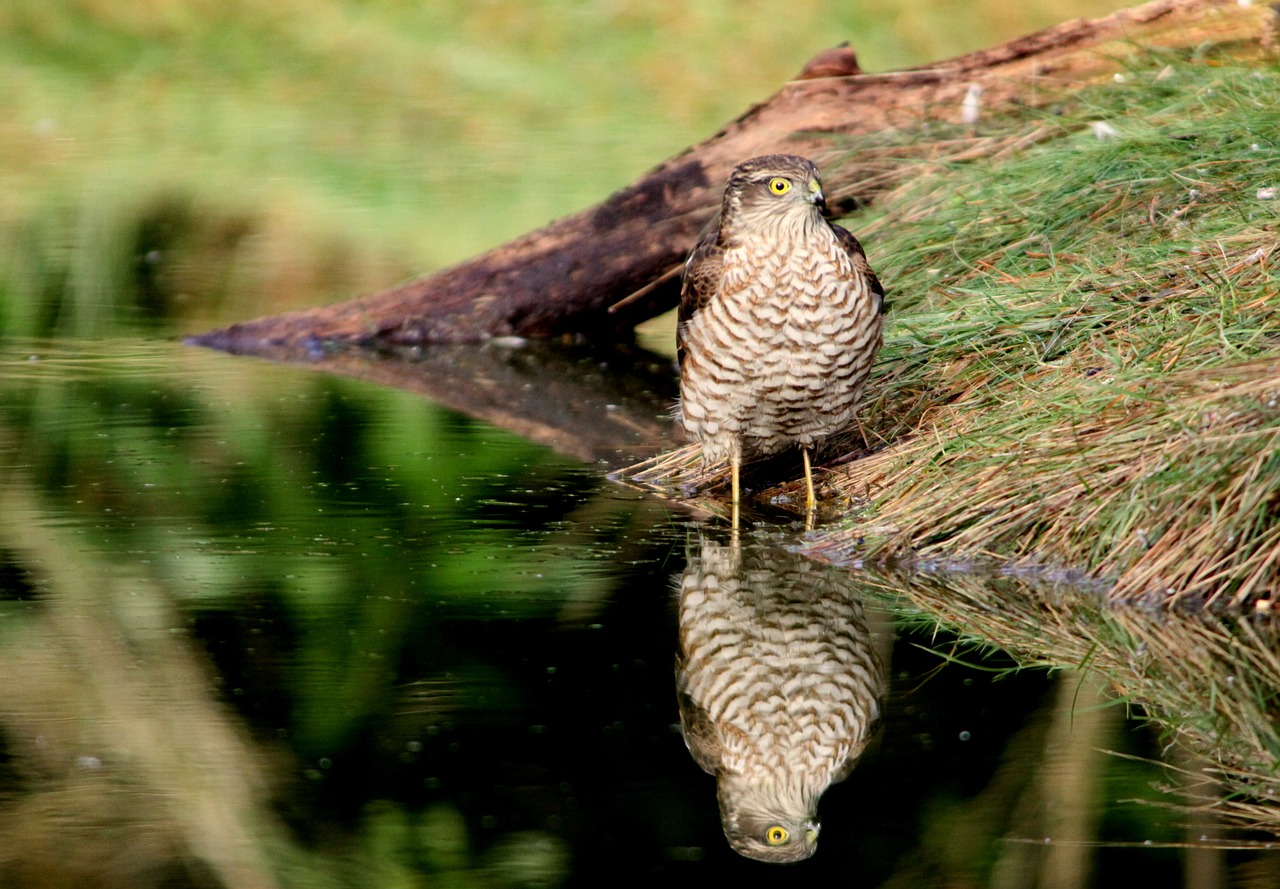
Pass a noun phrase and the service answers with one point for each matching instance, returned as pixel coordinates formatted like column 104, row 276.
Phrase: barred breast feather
column 780, row 319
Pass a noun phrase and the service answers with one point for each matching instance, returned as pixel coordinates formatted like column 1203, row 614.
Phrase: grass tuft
column 1082, row 365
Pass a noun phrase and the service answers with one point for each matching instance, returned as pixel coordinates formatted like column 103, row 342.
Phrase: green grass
column 1080, row 367
column 268, row 157
column 1081, row 364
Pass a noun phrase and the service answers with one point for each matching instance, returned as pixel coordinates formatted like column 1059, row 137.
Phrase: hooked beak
column 815, row 196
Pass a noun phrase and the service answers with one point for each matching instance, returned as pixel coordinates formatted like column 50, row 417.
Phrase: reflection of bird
column 778, row 685
column 780, row 316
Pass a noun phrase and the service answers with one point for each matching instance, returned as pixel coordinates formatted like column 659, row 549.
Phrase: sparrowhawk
column 780, row 317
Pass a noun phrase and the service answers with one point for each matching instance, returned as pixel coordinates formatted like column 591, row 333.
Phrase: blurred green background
column 279, row 622
column 211, row 160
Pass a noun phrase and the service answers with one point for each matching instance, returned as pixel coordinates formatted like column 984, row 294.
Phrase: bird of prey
column 780, row 317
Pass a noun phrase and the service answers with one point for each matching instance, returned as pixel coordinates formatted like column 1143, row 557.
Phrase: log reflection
column 596, row 406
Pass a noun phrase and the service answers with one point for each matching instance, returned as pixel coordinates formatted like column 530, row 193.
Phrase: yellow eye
column 776, row 835
column 780, row 186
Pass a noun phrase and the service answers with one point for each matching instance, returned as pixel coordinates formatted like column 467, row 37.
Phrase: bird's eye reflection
column 778, row 185
column 754, row 620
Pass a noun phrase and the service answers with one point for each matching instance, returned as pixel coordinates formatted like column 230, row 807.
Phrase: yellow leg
column 735, row 464
column 809, row 500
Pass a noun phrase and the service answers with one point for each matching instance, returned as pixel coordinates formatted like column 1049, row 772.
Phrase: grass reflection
column 1210, row 684
column 133, row 771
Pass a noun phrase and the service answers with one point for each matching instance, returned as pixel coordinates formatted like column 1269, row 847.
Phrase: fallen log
column 565, row 278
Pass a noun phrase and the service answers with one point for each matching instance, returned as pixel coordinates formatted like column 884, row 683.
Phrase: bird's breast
column 780, row 352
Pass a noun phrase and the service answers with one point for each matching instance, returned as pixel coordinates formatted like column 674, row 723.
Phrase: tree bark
column 564, row 278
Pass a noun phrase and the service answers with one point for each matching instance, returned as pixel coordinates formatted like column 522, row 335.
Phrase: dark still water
column 262, row 625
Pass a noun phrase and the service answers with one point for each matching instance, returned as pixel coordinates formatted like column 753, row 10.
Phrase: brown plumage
column 779, row 688
column 780, row 318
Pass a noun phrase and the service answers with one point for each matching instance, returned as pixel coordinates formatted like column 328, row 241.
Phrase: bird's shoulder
column 702, row 272
column 701, row 280
column 850, row 245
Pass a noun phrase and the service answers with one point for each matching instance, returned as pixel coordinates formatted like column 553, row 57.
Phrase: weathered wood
column 565, row 277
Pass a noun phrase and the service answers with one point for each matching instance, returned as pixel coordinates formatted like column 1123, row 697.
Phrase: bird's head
column 768, row 823
column 774, row 187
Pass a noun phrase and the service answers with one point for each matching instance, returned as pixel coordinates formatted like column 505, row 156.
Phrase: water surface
column 263, row 624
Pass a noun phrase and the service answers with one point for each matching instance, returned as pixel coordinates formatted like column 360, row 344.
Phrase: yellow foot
column 810, row 502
